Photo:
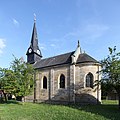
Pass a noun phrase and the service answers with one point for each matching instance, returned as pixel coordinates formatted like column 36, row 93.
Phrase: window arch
column 44, row 82
column 62, row 81
column 89, row 80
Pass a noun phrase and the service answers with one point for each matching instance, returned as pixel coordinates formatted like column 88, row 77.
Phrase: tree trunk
column 23, row 98
column 117, row 88
column 4, row 96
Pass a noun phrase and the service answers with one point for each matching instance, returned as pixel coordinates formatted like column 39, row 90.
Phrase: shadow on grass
column 108, row 111
column 11, row 102
column 111, row 112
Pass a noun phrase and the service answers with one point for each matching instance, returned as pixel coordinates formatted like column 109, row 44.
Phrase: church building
column 65, row 78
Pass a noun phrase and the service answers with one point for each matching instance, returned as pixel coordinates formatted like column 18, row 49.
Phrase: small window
column 89, row 80
column 62, row 81
column 44, row 83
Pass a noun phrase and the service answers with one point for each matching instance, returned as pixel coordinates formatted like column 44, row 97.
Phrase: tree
column 111, row 70
column 24, row 73
column 106, row 89
column 7, row 82
column 18, row 79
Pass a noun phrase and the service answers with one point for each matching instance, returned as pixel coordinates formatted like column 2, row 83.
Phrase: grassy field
column 29, row 111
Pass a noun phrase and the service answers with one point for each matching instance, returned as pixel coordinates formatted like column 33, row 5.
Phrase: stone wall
column 75, row 89
column 53, row 92
column 85, row 94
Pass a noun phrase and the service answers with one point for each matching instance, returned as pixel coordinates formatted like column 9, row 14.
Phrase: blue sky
column 60, row 24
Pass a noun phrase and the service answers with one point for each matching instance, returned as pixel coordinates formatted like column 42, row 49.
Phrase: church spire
column 34, row 53
column 34, row 39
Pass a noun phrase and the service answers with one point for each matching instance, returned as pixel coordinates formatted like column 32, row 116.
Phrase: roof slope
column 63, row 59
column 83, row 58
column 53, row 61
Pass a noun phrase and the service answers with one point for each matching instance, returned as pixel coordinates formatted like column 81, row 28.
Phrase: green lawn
column 29, row 111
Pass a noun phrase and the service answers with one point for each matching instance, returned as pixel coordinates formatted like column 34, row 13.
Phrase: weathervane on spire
column 34, row 17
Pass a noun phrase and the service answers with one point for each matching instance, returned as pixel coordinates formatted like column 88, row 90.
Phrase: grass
column 110, row 102
column 29, row 111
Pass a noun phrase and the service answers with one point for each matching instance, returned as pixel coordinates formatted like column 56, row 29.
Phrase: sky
column 60, row 24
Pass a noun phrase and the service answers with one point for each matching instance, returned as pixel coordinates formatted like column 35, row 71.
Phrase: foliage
column 7, row 82
column 24, row 76
column 18, row 79
column 111, row 71
column 30, row 111
column 106, row 89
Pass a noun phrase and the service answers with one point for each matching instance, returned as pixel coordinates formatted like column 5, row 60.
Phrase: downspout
column 98, row 87
column 50, row 85
column 34, row 87
column 74, row 81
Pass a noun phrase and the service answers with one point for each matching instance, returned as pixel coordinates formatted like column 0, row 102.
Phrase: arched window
column 44, row 83
column 89, row 80
column 62, row 81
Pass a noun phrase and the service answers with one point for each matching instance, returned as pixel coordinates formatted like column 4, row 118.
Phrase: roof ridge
column 55, row 60
column 58, row 55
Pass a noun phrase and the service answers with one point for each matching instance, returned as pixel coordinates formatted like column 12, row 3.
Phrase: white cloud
column 94, row 31
column 70, row 34
column 2, row 45
column 52, row 45
column 1, row 51
column 93, row 28
column 54, row 40
column 89, row 31
column 15, row 22
column 42, row 46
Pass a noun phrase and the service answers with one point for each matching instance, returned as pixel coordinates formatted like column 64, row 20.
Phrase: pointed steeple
column 34, row 38
column 33, row 52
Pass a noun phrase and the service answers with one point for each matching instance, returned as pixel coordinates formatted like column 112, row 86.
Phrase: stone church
column 65, row 78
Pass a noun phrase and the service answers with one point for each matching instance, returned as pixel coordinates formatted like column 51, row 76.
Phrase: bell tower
column 33, row 52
